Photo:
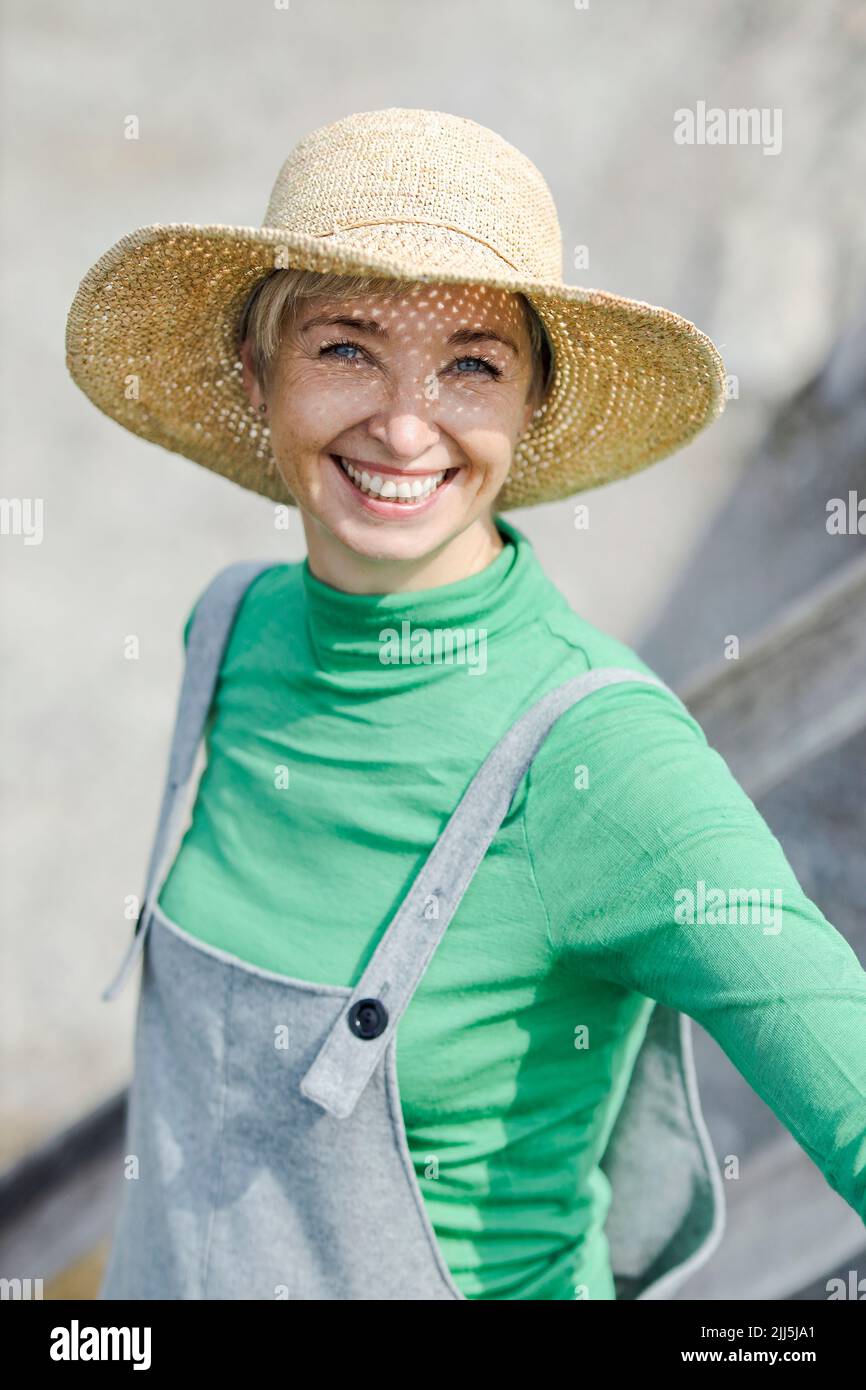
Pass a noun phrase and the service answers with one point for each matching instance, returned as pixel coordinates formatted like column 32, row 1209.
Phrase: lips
column 407, row 489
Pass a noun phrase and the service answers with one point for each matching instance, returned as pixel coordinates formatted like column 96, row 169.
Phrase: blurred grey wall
column 765, row 252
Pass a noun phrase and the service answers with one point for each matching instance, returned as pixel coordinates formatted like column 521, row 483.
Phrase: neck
column 465, row 554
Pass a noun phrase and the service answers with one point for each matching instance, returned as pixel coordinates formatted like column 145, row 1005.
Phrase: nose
column 405, row 421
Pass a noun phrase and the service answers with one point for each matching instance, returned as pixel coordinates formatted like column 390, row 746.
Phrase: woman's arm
column 657, row 871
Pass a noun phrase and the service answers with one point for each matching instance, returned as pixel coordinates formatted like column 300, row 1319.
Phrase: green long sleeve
column 623, row 866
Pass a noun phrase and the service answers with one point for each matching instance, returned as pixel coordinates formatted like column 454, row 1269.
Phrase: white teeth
column 406, row 490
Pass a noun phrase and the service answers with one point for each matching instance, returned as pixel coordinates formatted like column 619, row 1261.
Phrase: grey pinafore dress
column 264, row 1117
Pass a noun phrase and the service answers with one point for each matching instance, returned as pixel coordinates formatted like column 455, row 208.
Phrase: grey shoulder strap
column 347, row 1058
column 208, row 637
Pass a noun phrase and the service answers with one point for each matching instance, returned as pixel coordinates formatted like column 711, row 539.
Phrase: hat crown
column 402, row 165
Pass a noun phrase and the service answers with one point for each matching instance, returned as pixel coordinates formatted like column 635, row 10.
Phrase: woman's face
column 425, row 394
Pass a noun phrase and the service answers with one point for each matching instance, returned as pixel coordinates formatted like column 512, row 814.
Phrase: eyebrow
column 461, row 338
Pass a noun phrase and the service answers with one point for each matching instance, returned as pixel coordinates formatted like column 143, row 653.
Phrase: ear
column 248, row 376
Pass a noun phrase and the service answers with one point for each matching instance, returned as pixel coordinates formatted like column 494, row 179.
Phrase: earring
column 262, row 408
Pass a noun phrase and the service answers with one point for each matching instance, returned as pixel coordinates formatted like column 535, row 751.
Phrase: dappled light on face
column 400, row 406
column 464, row 340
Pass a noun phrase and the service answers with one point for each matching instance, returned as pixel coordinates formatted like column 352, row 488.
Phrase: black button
column 368, row 1018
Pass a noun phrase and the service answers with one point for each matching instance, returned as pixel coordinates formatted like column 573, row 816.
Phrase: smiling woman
column 393, row 401
column 380, row 851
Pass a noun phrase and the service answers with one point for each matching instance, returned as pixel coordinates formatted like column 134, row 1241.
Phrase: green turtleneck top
column 331, row 773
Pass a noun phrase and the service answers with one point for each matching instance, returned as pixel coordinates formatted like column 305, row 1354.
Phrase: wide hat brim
column 151, row 338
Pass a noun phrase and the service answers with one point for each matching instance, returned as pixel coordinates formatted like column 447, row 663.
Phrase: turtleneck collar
column 346, row 629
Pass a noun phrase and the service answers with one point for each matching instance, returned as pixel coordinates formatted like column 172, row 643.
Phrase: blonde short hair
column 280, row 293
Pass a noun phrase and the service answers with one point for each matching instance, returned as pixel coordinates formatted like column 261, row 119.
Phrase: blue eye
column 489, row 367
column 343, row 343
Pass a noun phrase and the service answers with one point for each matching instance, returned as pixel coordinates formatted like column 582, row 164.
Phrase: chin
column 388, row 541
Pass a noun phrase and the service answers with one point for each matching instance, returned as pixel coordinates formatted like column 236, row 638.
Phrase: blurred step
column 797, row 689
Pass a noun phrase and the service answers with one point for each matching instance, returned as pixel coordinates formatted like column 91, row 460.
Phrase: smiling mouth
column 387, row 488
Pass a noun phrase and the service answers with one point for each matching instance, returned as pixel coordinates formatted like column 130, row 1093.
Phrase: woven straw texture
column 152, row 332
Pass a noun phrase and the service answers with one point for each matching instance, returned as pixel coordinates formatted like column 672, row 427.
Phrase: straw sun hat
column 152, row 334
